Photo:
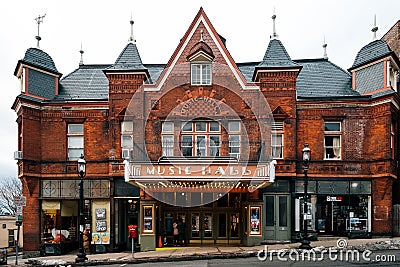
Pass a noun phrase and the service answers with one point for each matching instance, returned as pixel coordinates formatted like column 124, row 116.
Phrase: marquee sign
column 200, row 172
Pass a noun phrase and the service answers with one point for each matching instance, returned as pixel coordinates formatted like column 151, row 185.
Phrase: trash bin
column 3, row 256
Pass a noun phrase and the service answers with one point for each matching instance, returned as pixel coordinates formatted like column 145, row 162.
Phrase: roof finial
column 81, row 52
column 39, row 20
column 374, row 29
column 324, row 46
column 131, row 39
column 201, row 36
column 274, row 34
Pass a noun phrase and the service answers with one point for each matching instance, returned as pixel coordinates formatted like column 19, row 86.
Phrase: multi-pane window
column 332, row 140
column 167, row 138
column 277, row 135
column 234, row 139
column 75, row 141
column 201, row 139
column 126, row 138
column 201, row 73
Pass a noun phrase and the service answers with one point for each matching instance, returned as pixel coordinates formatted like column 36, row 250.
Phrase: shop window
column 332, row 140
column 222, row 200
column 277, row 140
column 126, row 139
column 75, row 141
column 201, row 74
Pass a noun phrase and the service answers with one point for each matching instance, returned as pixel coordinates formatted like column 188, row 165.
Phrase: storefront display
column 148, row 219
column 255, row 221
column 339, row 207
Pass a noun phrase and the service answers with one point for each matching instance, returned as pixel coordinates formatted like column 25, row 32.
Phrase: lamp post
column 305, row 242
column 81, row 257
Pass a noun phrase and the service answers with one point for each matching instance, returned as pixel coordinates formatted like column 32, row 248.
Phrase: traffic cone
column 159, row 241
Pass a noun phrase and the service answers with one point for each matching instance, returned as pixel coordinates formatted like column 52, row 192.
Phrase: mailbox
column 132, row 231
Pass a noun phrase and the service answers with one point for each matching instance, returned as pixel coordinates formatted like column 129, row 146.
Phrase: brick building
column 208, row 141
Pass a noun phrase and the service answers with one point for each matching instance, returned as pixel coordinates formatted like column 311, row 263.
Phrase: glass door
column 277, row 217
column 202, row 226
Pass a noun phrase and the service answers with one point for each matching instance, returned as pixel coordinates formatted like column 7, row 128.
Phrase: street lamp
column 81, row 257
column 305, row 242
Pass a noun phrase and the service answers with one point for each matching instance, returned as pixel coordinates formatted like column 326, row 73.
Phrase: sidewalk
column 185, row 253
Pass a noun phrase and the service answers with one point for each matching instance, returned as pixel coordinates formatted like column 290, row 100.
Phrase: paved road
column 377, row 258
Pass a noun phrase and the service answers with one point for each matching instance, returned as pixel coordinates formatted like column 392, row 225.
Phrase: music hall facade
column 208, row 142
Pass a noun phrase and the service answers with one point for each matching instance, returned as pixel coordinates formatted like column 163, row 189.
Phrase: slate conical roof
column 129, row 59
column 370, row 52
column 276, row 56
column 40, row 59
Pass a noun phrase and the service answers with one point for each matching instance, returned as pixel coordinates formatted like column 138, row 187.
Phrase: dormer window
column 200, row 58
column 201, row 73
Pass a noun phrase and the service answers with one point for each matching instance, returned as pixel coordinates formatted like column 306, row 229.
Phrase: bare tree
column 9, row 188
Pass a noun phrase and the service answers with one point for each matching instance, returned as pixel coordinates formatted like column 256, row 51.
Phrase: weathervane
column 81, row 52
column 274, row 34
column 324, row 46
column 132, row 39
column 39, row 20
column 374, row 29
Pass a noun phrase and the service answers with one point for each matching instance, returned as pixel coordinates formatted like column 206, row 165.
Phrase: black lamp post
column 305, row 242
column 81, row 257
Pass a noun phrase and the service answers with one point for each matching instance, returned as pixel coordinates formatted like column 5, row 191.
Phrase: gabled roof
column 371, row 52
column 38, row 58
column 276, row 56
column 129, row 59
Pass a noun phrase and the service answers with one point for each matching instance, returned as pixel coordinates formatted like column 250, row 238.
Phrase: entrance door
column 277, row 217
column 202, row 227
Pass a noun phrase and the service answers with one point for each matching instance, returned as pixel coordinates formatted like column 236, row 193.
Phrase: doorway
column 277, row 217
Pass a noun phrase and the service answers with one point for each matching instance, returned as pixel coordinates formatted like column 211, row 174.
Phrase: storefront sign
column 201, row 171
column 101, row 226
column 334, row 199
column 100, row 214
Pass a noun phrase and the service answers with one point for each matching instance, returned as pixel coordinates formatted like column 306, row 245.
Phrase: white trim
column 183, row 47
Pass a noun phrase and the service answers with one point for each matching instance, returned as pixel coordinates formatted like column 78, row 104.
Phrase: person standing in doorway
column 176, row 232
column 182, row 231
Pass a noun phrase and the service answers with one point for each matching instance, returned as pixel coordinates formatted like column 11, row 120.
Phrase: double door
column 277, row 217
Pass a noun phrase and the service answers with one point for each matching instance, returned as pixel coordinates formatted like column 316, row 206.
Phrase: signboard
column 20, row 201
column 101, row 226
column 334, row 199
column 199, row 172
column 19, row 210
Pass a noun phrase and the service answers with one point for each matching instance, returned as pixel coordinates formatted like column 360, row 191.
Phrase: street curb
column 147, row 260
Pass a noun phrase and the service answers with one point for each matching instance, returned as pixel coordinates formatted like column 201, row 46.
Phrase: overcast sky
column 103, row 29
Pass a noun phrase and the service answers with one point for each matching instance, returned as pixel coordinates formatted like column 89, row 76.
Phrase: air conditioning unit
column 17, row 154
column 126, row 153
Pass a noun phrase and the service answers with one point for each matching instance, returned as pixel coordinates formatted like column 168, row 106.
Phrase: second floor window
column 332, row 140
column 201, row 139
column 126, row 138
column 234, row 139
column 277, row 140
column 167, row 138
column 201, row 73
column 75, row 141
